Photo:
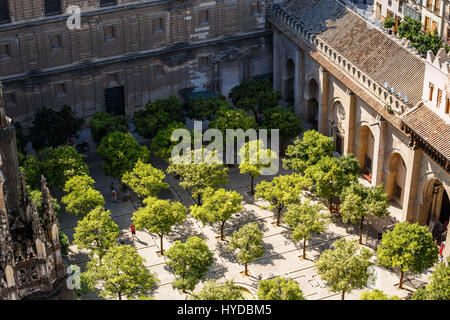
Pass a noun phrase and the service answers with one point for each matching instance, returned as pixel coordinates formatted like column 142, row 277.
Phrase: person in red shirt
column 133, row 230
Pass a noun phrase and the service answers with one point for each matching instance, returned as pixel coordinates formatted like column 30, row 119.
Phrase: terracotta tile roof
column 351, row 84
column 366, row 47
column 430, row 127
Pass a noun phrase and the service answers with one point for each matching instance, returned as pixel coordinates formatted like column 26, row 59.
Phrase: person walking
column 133, row 231
column 127, row 194
column 113, row 191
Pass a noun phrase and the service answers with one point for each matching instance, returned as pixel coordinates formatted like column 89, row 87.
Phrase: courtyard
column 282, row 256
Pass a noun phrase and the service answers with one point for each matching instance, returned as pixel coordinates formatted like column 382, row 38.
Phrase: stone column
column 323, row 114
column 411, row 182
column 276, row 61
column 379, row 135
column 350, row 123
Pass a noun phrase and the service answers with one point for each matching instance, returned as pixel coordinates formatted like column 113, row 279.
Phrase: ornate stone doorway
column 436, row 203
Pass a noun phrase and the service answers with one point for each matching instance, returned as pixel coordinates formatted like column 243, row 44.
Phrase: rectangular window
column 4, row 12
column 427, row 24
column 4, row 51
column 437, row 7
column 158, row 25
column 429, row 4
column 256, row 10
column 439, row 98
column 52, row 7
column 158, row 71
column 204, row 16
column 447, row 105
column 430, row 96
column 107, row 3
column 109, row 33
column 55, row 41
column 60, row 90
column 11, row 99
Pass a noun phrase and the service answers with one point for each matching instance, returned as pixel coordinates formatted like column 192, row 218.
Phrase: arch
column 312, row 105
column 337, row 132
column 289, row 90
column 396, row 178
column 366, row 143
column 435, row 203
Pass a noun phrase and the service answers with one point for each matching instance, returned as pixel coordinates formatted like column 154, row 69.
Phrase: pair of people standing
column 125, row 190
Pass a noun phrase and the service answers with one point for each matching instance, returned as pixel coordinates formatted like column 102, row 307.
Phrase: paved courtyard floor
column 281, row 256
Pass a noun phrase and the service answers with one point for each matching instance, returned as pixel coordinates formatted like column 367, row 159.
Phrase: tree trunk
column 221, row 231
column 278, row 216
column 343, row 295
column 255, row 112
column 198, row 199
column 246, row 269
column 161, row 241
column 120, row 296
column 400, row 285
column 361, row 230
column 251, row 186
column 304, row 248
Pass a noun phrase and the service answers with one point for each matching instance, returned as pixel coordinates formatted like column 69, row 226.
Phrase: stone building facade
column 30, row 253
column 127, row 52
column 357, row 84
column 432, row 13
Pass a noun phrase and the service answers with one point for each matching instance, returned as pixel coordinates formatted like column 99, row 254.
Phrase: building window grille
column 52, row 7
column 204, row 17
column 439, row 98
column 4, row 51
column 4, row 12
column 107, row 3
column 158, row 25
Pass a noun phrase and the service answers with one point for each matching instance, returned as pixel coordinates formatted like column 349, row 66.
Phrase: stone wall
column 153, row 48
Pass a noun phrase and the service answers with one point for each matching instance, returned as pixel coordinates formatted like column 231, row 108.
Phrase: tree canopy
column 228, row 118
column 213, row 290
column 218, row 206
column 60, row 164
column 439, row 286
column 359, row 202
column 81, row 196
column 376, row 295
column 157, row 115
column 255, row 96
column 408, row 247
column 284, row 120
column 122, row 272
column 162, row 144
column 201, row 108
column 190, row 261
column 346, row 267
column 96, row 232
column 199, row 170
column 104, row 123
column 281, row 191
column 52, row 128
column 308, row 151
column 145, row 180
column 330, row 176
column 120, row 152
column 254, row 157
column 279, row 288
column 159, row 216
column 248, row 241
column 305, row 220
